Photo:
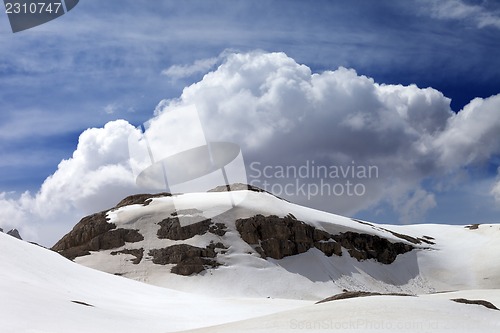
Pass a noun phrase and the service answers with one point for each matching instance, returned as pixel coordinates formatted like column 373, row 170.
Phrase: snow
column 426, row 269
column 374, row 314
column 38, row 288
column 40, row 291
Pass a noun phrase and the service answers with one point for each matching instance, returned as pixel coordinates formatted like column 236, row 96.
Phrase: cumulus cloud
column 471, row 136
column 282, row 114
column 96, row 177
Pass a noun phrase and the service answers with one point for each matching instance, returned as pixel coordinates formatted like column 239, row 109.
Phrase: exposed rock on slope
column 281, row 237
column 170, row 228
column 277, row 237
column 94, row 232
column 237, row 187
column 140, row 199
column 188, row 259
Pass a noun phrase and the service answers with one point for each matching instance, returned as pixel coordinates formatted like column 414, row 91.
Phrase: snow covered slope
column 238, row 261
column 41, row 291
column 377, row 314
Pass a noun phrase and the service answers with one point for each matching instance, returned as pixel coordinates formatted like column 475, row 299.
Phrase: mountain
column 249, row 243
column 14, row 233
column 41, row 291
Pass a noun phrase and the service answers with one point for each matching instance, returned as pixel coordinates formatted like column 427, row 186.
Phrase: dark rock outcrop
column 137, row 253
column 218, row 229
column 94, row 233
column 277, row 238
column 170, row 228
column 114, row 238
column 14, row 233
column 473, row 226
column 484, row 303
column 365, row 246
column 188, row 259
column 241, row 187
column 141, row 199
column 236, row 187
column 356, row 294
column 84, row 231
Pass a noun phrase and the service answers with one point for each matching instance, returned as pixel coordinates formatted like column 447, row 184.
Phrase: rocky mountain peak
column 14, row 233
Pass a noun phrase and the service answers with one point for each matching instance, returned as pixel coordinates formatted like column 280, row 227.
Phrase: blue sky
column 109, row 60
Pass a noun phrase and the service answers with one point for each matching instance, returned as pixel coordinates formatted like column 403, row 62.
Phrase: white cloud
column 458, row 10
column 413, row 206
column 471, row 136
column 96, row 177
column 183, row 71
column 281, row 113
column 99, row 167
column 495, row 190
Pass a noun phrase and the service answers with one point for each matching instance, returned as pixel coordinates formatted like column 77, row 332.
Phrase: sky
column 409, row 88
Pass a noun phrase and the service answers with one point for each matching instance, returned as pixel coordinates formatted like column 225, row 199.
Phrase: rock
column 14, row 233
column 355, row 294
column 484, row 303
column 236, row 187
column 140, row 199
column 365, row 246
column 218, row 229
column 84, row 231
column 170, row 228
column 137, row 253
column 114, row 238
column 473, row 226
column 94, row 233
column 329, row 248
column 241, row 187
column 188, row 259
column 277, row 238
column 1, row 230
